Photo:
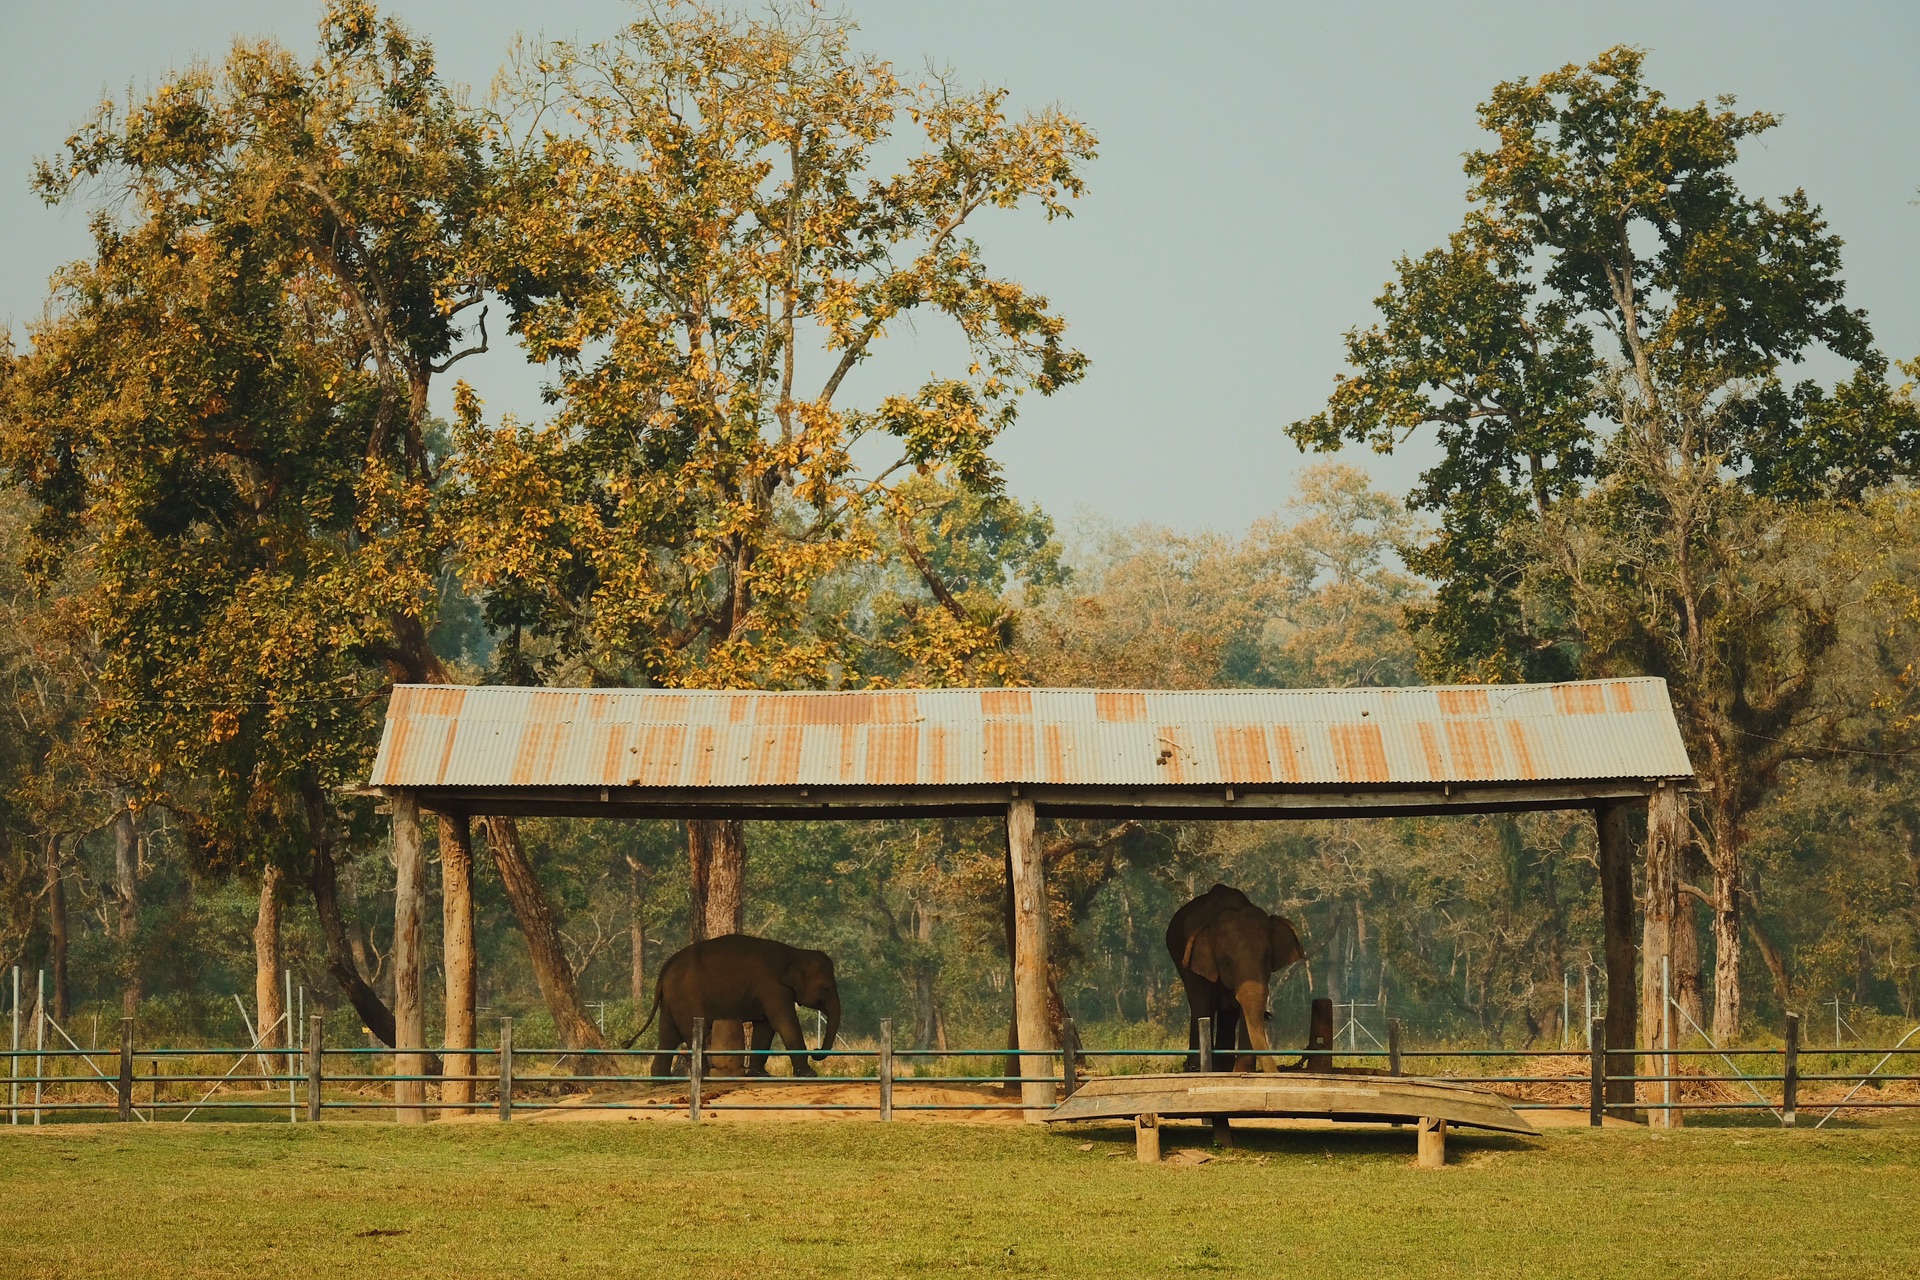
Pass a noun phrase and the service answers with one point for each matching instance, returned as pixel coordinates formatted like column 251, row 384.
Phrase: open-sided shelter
column 1609, row 746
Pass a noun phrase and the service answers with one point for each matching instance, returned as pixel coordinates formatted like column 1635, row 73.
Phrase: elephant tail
column 651, row 1011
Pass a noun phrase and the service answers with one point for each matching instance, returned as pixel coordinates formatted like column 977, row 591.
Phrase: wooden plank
column 1371, row 1099
column 1037, row 1089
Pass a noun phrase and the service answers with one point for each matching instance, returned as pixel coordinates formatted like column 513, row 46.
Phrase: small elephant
column 1227, row 950
column 739, row 978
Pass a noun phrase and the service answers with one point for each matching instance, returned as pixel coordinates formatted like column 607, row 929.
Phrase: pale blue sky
column 1261, row 167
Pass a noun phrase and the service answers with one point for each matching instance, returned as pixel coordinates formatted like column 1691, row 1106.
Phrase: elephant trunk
column 1252, row 998
column 831, row 1008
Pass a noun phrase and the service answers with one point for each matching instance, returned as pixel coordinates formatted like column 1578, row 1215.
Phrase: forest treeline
column 233, row 520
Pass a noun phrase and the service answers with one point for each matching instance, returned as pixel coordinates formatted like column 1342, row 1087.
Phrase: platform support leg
column 1433, row 1143
column 1222, row 1132
column 1146, row 1139
column 1320, row 1035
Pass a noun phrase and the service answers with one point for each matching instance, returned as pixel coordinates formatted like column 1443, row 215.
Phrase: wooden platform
column 1293, row 1095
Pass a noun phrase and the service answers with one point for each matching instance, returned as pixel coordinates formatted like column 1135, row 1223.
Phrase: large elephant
column 739, row 978
column 1227, row 951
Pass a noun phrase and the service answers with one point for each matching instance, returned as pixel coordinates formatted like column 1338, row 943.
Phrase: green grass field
column 827, row 1199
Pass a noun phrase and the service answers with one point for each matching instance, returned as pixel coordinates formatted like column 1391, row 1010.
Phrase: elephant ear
column 1283, row 944
column 1200, row 957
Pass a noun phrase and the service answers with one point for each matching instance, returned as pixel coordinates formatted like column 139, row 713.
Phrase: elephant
column 1227, row 951
column 739, row 978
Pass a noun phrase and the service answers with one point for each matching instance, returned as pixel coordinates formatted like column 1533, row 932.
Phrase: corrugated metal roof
column 445, row 736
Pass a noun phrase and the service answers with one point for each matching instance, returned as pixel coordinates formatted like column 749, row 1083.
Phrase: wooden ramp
column 1293, row 1095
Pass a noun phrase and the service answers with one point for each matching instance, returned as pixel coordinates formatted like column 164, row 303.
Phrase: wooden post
column 1611, row 823
column 1320, row 1035
column 126, row 1068
column 1037, row 1091
column 409, row 1021
column 1597, row 1073
column 316, row 1073
column 696, row 1067
column 506, row 1069
column 1790, row 1069
column 1146, row 1139
column 1206, row 1044
column 886, row 1068
column 462, row 970
column 1432, row 1142
column 1667, row 837
column 1222, row 1131
column 1393, row 1046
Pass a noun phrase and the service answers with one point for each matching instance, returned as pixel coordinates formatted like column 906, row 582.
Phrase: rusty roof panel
column 514, row 737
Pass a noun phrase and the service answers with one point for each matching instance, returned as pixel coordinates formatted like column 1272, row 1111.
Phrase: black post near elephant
column 1227, row 951
column 740, row 978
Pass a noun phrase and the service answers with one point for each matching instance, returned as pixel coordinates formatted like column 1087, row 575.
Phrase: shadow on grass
column 1355, row 1142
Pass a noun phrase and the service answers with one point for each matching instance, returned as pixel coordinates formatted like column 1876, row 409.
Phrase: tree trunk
column 126, row 891
column 57, row 932
column 409, row 1012
column 1727, row 911
column 924, row 1030
column 717, row 868
column 458, row 959
column 268, row 1003
column 538, row 924
column 637, row 934
column 323, row 882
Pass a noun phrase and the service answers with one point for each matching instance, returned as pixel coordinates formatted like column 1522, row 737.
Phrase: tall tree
column 1604, row 350
column 228, row 410
column 698, row 242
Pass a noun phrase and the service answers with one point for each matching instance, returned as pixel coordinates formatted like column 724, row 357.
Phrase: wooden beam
column 1028, row 883
column 1277, row 803
column 409, row 1015
column 1622, row 957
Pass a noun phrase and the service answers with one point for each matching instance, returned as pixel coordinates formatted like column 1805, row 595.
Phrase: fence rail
column 71, row 1082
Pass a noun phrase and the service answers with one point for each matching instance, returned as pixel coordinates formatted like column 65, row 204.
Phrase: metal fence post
column 39, row 1042
column 1597, row 1072
column 886, row 1068
column 696, row 1067
column 1393, row 1046
column 1069, row 1059
column 13, row 1073
column 1206, row 1044
column 1790, row 1082
column 316, row 1073
column 506, row 1069
column 126, row 1068
column 289, row 1033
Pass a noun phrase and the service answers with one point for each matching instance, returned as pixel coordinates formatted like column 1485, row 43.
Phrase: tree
column 1603, row 349
column 696, row 240
column 227, row 411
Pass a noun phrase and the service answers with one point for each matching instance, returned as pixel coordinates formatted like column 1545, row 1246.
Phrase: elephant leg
column 1226, row 1036
column 1252, row 999
column 782, row 1017
column 762, row 1041
column 1200, row 1004
column 671, row 1038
